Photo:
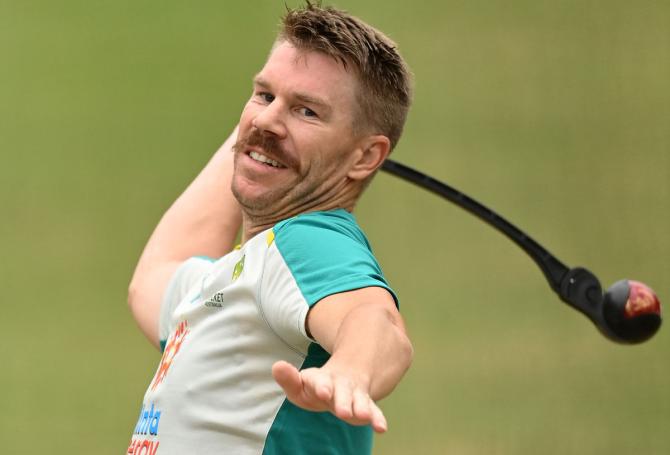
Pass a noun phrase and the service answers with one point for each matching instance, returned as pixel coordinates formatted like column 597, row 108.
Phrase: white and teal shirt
column 223, row 324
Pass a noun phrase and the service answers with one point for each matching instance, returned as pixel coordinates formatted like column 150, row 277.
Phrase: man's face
column 295, row 139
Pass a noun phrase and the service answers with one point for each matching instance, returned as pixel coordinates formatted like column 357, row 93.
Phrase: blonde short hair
column 385, row 91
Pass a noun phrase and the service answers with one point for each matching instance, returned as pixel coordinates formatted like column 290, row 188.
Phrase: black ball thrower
column 629, row 311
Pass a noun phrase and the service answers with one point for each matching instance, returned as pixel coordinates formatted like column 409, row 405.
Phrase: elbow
column 404, row 348
column 133, row 295
column 394, row 371
column 402, row 356
column 408, row 352
column 405, row 352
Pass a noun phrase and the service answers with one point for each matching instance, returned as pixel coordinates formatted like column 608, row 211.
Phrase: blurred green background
column 556, row 114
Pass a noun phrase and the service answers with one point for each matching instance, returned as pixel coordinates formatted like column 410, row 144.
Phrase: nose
column 270, row 120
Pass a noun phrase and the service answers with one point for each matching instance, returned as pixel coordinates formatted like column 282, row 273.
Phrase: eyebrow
column 303, row 97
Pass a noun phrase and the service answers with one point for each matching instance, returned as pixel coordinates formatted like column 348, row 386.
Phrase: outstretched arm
column 364, row 332
column 204, row 220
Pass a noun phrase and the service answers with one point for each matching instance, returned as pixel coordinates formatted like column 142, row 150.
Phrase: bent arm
column 371, row 352
column 204, row 220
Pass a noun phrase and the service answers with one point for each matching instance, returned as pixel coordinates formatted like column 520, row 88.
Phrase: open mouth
column 265, row 160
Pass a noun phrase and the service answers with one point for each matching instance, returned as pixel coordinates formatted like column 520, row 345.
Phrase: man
column 285, row 343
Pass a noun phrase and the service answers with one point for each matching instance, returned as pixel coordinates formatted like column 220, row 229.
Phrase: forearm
column 204, row 220
column 372, row 343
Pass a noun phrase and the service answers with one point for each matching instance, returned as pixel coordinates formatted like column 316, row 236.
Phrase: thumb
column 288, row 377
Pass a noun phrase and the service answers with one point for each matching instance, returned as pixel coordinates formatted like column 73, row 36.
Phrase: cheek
column 247, row 114
column 329, row 164
column 250, row 111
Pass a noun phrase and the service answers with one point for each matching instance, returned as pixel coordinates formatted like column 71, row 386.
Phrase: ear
column 371, row 153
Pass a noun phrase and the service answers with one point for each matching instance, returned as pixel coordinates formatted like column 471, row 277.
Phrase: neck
column 254, row 222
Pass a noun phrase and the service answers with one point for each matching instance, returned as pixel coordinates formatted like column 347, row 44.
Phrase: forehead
column 308, row 72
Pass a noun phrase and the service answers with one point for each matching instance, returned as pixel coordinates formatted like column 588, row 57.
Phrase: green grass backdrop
column 556, row 114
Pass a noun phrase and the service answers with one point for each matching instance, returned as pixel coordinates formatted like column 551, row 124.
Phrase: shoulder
column 325, row 253
column 331, row 229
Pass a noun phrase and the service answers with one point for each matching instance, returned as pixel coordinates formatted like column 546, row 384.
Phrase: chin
column 253, row 197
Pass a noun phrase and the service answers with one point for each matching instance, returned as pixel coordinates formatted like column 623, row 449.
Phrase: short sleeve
column 189, row 274
column 327, row 253
column 311, row 257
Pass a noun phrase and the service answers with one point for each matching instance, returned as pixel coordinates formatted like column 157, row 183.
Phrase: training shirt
column 225, row 322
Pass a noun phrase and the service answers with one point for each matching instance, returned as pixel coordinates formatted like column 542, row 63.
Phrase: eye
column 266, row 97
column 307, row 112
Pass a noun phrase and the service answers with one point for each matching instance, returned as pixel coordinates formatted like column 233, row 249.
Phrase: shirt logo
column 237, row 271
column 171, row 349
column 215, row 301
column 144, row 438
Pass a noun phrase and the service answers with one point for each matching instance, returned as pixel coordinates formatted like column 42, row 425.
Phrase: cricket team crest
column 237, row 271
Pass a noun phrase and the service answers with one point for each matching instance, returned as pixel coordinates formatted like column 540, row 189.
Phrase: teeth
column 264, row 159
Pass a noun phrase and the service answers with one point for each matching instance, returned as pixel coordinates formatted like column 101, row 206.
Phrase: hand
column 322, row 389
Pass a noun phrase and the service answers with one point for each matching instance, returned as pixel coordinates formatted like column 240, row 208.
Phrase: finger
column 318, row 385
column 343, row 400
column 361, row 406
column 379, row 423
column 309, row 389
column 288, row 377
